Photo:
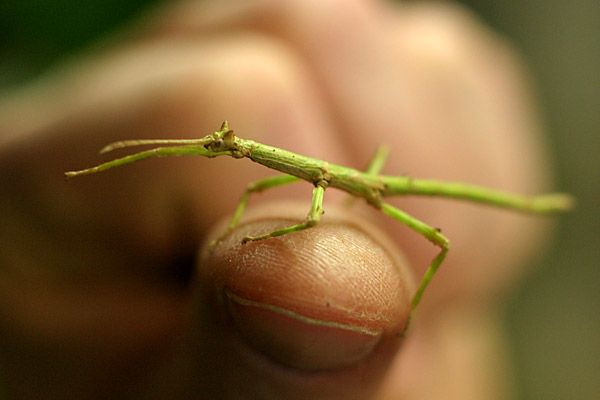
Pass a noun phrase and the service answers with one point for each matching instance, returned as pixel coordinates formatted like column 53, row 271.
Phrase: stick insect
column 369, row 185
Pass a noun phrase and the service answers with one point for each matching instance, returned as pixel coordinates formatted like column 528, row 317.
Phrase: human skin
column 101, row 290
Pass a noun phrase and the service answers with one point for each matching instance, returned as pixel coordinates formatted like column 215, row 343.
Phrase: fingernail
column 298, row 341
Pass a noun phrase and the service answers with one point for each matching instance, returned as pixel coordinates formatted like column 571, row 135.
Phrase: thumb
column 316, row 314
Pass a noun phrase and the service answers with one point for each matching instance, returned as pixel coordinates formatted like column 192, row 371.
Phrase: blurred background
column 553, row 317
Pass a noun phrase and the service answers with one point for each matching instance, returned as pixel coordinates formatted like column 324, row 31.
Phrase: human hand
column 99, row 278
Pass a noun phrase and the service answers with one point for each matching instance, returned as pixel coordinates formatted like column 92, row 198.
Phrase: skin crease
column 93, row 278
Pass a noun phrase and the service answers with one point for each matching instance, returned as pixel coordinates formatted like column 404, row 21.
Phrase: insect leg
column 170, row 151
column 431, row 234
column 314, row 215
column 257, row 186
column 374, row 168
column 378, row 161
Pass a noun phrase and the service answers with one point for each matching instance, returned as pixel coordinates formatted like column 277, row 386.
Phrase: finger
column 315, row 314
column 344, row 43
column 141, row 222
column 254, row 83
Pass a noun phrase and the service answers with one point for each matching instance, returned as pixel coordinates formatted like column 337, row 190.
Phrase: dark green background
column 553, row 318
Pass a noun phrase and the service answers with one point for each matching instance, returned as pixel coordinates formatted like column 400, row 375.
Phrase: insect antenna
column 142, row 142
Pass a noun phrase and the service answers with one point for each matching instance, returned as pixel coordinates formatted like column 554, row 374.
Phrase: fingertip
column 331, row 299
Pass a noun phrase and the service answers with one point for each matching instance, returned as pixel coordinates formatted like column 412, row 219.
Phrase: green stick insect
column 369, row 185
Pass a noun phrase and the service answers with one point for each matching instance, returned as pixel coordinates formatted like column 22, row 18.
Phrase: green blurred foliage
column 35, row 34
column 553, row 319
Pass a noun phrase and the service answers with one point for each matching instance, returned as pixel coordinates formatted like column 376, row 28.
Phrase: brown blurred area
column 553, row 317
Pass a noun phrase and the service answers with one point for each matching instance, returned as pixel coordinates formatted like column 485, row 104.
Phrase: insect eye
column 218, row 143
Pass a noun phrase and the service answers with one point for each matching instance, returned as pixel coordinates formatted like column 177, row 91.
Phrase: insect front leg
column 431, row 234
column 257, row 186
column 314, row 216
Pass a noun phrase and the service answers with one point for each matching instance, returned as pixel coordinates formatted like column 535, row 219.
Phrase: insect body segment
column 368, row 185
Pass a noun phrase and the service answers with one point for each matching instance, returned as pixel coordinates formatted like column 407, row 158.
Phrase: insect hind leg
column 432, row 234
